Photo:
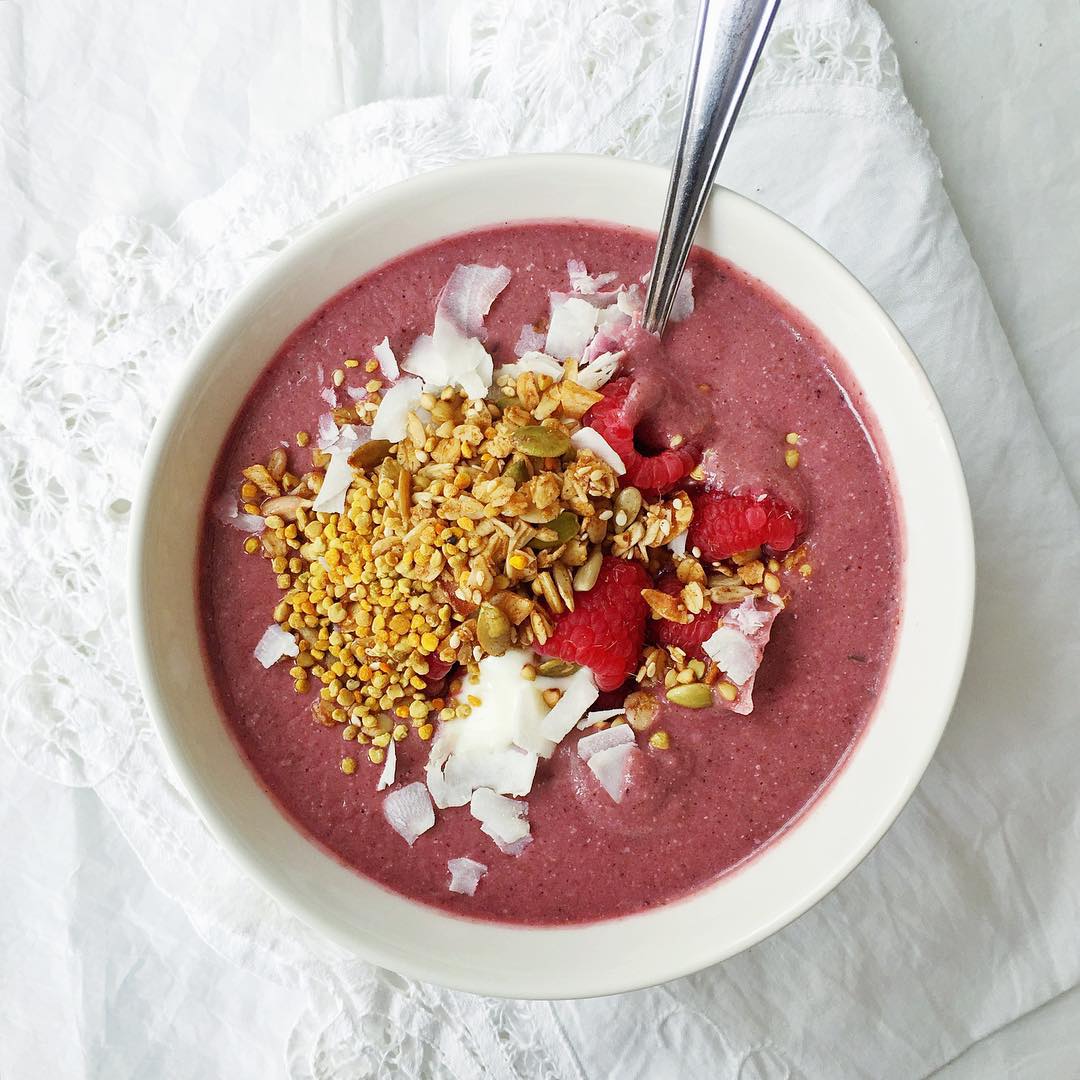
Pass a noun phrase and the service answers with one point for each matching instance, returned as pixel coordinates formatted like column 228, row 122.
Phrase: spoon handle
column 730, row 35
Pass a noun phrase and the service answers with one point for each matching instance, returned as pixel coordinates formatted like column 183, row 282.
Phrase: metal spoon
column 729, row 39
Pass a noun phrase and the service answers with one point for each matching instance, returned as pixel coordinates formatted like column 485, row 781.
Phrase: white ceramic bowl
column 619, row 954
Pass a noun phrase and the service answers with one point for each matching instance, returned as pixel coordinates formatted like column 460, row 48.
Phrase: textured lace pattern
column 88, row 354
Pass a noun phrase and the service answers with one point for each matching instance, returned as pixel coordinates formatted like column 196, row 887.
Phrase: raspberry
column 726, row 524
column 615, row 418
column 687, row 636
column 606, row 629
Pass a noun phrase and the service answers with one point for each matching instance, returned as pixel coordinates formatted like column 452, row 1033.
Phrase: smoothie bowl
column 517, row 649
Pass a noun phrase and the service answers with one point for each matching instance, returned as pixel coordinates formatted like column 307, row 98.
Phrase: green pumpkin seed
column 627, row 506
column 693, row 695
column 556, row 669
column 588, row 571
column 370, row 454
column 517, row 470
column 492, row 630
column 542, row 442
column 557, row 531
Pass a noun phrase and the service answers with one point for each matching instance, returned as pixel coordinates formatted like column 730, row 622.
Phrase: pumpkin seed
column 690, row 695
column 556, row 669
column 492, row 630
column 627, row 506
column 564, row 526
column 588, row 571
column 541, row 442
column 370, row 454
column 517, row 470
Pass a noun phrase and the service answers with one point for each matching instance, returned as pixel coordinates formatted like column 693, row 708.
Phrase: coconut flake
column 537, row 362
column 465, row 875
column 678, row 545
column 274, row 644
column 598, row 717
column 453, row 777
column 409, row 811
column 619, row 735
column 517, row 847
column 447, row 358
column 225, row 510
column 339, row 475
column 611, row 768
column 503, row 819
column 581, row 281
column 732, row 653
column 249, row 523
column 578, row 694
column 571, row 328
column 328, row 431
column 386, row 777
column 453, row 353
column 399, row 400
column 468, row 295
column 599, row 370
column 388, row 364
column 682, row 307
column 529, row 340
column 747, row 618
column 329, row 396
column 588, row 438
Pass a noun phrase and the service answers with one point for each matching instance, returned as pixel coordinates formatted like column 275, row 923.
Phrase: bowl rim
column 199, row 791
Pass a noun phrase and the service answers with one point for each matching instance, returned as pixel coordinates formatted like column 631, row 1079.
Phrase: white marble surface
column 995, row 83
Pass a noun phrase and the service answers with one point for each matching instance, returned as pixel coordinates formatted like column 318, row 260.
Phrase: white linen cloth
column 964, row 916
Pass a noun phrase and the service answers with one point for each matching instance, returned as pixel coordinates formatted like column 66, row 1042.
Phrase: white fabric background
column 141, row 113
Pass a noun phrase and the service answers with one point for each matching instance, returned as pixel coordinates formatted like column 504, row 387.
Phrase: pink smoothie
column 740, row 373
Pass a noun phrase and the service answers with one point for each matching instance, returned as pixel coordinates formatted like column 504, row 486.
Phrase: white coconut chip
column 339, row 475
column 682, row 307
column 630, row 301
column 599, row 371
column 224, row 508
column 409, row 811
column 468, row 295
column 597, row 743
column 581, row 281
column 529, row 340
column 398, row 401
column 503, row 819
column 328, row 395
column 537, row 362
column 612, row 319
column 328, row 431
column 591, row 718
column 388, row 364
column 588, row 438
column 732, row 653
column 610, row 767
column 578, row 694
column 225, row 511
column 571, row 328
column 678, row 545
column 452, row 778
column 274, row 644
column 448, row 358
column 465, row 875
column 748, row 618
column 389, row 772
